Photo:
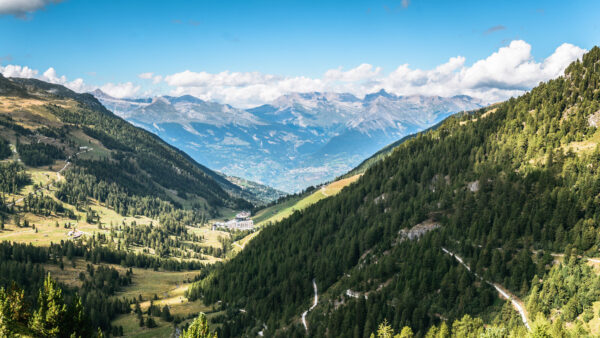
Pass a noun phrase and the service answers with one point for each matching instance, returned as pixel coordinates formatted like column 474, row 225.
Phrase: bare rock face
column 419, row 230
column 473, row 186
column 594, row 119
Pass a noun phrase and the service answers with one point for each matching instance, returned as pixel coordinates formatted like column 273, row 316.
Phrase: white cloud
column 192, row 79
column 150, row 76
column 507, row 72
column 363, row 72
column 77, row 85
column 120, row 90
column 20, row 8
column 51, row 76
column 18, row 71
column 127, row 89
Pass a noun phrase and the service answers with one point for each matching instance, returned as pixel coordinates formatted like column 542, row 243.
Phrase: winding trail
column 312, row 307
column 504, row 293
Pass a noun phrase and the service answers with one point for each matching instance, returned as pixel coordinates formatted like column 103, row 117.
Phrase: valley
column 483, row 222
column 162, row 252
column 296, row 141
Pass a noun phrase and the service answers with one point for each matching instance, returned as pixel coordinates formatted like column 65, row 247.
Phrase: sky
column 246, row 53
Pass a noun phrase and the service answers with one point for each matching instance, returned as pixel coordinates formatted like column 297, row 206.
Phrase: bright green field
column 278, row 212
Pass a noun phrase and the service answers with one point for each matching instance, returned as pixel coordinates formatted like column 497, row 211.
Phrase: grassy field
column 278, row 212
column 593, row 326
column 168, row 286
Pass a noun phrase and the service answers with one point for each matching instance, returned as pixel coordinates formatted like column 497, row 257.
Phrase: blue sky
column 112, row 42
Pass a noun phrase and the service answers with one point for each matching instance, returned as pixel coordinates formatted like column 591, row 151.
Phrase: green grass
column 278, row 212
column 271, row 211
column 169, row 286
column 82, row 140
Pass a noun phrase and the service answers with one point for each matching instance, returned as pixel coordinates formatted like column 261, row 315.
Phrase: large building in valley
column 241, row 221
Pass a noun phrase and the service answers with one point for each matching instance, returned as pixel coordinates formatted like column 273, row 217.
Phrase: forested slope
column 508, row 185
column 50, row 122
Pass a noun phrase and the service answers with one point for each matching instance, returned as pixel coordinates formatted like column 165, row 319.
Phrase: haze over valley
column 298, row 140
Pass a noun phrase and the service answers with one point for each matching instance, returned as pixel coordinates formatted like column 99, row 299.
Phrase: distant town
column 241, row 221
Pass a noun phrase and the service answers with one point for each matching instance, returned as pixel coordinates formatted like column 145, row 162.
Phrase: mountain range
column 298, row 140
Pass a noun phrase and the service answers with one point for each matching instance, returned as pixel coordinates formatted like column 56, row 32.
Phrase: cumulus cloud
column 18, row 71
column 509, row 71
column 237, row 79
column 120, row 90
column 77, row 85
column 363, row 72
column 21, row 8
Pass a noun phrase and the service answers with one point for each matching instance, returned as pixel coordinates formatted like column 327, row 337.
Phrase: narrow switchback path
column 504, row 293
column 312, row 307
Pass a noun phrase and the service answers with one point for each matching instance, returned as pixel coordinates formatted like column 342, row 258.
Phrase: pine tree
column 385, row 330
column 150, row 323
column 198, row 329
column 77, row 321
column 50, row 317
column 5, row 315
column 406, row 333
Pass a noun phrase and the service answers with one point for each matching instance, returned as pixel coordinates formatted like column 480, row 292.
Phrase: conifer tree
column 50, row 317
column 198, row 329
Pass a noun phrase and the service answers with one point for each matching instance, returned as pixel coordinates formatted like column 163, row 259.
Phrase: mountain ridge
column 298, row 140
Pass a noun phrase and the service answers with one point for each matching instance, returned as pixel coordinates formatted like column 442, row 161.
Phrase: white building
column 241, row 221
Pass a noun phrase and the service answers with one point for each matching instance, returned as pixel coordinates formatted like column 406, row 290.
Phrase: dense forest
column 39, row 154
column 509, row 184
column 4, row 149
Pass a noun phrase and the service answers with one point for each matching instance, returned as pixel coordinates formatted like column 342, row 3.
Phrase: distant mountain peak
column 98, row 93
column 381, row 93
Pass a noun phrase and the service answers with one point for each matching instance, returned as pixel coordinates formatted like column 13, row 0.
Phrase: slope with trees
column 503, row 182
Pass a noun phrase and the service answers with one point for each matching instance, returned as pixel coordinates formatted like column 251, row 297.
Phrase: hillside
column 102, row 217
column 501, row 192
column 119, row 153
column 298, row 140
column 384, row 152
column 258, row 194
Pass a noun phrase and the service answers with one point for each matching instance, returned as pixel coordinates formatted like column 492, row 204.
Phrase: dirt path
column 312, row 307
column 593, row 260
column 504, row 293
